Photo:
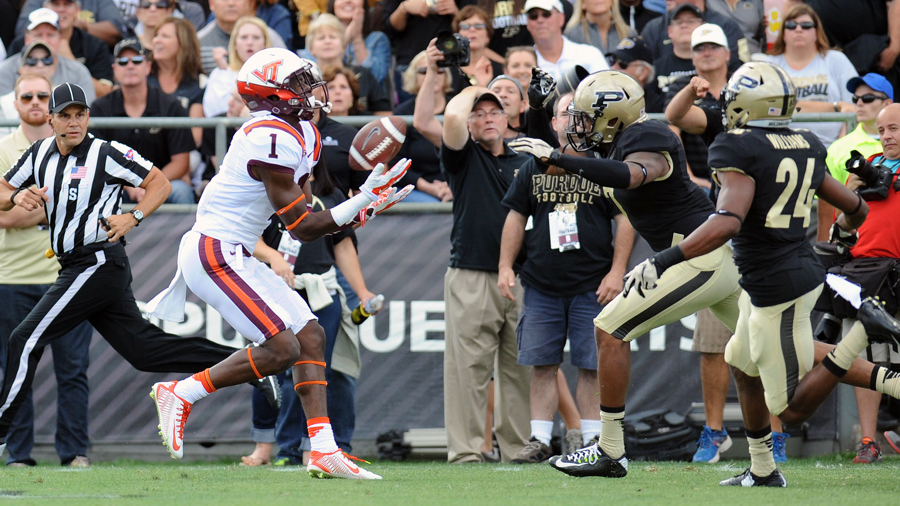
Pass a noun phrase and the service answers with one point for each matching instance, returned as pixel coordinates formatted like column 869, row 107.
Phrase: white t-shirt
column 822, row 80
column 235, row 207
column 573, row 54
column 219, row 86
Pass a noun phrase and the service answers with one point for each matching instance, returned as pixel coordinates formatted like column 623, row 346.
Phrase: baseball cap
column 488, row 96
column 67, row 94
column 41, row 16
column 632, row 48
column 547, row 5
column 129, row 43
column 875, row 81
column 682, row 8
column 76, row 2
column 508, row 78
column 709, row 33
column 30, row 47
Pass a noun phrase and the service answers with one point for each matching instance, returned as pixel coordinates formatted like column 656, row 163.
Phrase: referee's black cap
column 67, row 94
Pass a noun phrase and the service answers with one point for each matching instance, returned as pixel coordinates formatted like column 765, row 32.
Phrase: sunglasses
column 868, row 98
column 32, row 62
column 792, row 25
column 43, row 96
column 424, row 71
column 477, row 26
column 533, row 14
column 137, row 60
column 162, row 4
column 612, row 60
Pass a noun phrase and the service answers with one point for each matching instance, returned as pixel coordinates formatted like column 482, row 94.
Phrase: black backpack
column 660, row 434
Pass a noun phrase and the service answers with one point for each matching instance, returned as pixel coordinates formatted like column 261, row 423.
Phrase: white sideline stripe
column 359, row 159
column 386, row 123
column 57, row 308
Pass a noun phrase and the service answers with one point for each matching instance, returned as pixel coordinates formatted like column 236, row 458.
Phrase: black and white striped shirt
column 82, row 186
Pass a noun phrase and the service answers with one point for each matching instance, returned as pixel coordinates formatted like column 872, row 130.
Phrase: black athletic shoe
column 591, row 461
column 748, row 479
column 880, row 326
column 271, row 389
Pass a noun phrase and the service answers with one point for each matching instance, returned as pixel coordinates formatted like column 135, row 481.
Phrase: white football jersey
column 234, row 207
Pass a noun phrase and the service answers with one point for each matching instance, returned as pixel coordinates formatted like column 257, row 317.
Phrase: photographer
column 469, row 56
column 878, row 238
column 871, row 94
column 481, row 324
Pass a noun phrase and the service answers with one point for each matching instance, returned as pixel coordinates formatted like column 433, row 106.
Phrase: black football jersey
column 776, row 261
column 671, row 206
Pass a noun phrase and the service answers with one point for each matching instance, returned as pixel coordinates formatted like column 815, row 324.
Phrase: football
column 377, row 142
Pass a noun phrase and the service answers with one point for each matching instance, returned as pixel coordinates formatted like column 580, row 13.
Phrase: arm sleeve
column 28, row 8
column 841, row 71
column 126, row 165
column 724, row 156
column 452, row 161
column 279, row 19
column 101, row 61
column 22, row 173
column 378, row 61
column 517, row 197
column 538, row 126
column 107, row 10
column 388, row 8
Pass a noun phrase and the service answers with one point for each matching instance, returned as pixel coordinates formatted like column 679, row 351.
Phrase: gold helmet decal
column 605, row 103
column 758, row 94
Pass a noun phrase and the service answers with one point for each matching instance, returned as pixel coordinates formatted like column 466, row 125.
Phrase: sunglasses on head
column 792, row 25
column 32, row 61
column 477, row 26
column 162, row 4
column 868, row 98
column 424, row 71
column 137, row 60
column 43, row 96
column 533, row 14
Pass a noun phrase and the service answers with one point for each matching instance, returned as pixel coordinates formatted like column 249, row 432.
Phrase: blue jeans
column 71, row 357
column 289, row 423
column 182, row 193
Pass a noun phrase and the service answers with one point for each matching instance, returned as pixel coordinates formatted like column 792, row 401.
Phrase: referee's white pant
column 95, row 285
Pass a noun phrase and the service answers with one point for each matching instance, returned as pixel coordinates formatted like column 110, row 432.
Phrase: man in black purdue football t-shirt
column 769, row 175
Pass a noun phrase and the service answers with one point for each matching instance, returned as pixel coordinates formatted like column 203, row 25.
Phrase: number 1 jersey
column 235, row 207
column 776, row 261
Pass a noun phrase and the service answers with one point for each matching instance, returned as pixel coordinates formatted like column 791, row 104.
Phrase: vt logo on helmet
column 605, row 103
column 277, row 81
column 759, row 94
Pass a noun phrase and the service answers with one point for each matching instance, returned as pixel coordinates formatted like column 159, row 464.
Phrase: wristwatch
column 138, row 215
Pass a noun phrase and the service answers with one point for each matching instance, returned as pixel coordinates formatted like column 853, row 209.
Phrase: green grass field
column 821, row 481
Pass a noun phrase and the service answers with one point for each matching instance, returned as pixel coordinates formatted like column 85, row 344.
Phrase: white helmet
column 278, row 81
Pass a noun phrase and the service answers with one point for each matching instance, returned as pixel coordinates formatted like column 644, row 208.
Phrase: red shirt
column 879, row 236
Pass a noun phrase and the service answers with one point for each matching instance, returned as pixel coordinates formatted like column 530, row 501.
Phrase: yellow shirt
column 839, row 151
column 22, row 260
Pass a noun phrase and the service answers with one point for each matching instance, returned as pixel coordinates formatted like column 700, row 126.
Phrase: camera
column 876, row 177
column 455, row 49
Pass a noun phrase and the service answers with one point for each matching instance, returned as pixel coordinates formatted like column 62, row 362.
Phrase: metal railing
column 220, row 125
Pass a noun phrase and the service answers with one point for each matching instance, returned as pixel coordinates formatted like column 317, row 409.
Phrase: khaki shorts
column 708, row 281
column 775, row 343
column 710, row 335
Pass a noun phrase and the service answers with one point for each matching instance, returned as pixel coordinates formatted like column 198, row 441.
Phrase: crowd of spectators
column 140, row 58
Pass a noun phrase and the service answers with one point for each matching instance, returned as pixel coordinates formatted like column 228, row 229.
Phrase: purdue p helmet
column 278, row 81
column 758, row 94
column 605, row 103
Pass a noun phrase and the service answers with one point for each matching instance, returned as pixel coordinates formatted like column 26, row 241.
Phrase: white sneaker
column 337, row 464
column 173, row 412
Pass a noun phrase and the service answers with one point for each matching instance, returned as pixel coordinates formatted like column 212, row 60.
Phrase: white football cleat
column 337, row 464
column 173, row 412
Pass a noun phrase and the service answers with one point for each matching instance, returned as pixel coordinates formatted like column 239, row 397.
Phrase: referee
column 78, row 180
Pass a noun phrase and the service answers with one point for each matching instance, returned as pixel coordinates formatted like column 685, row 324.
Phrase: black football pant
column 96, row 286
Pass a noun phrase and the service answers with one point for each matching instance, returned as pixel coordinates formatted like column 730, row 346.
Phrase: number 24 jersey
column 775, row 259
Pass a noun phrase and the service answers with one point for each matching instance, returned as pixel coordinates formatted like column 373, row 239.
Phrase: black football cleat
column 591, row 461
column 748, row 479
column 271, row 389
column 880, row 326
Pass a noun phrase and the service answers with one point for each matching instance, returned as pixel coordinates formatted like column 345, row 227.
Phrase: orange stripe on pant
column 219, row 272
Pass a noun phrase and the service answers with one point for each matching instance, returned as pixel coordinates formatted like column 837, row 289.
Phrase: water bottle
column 367, row 309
